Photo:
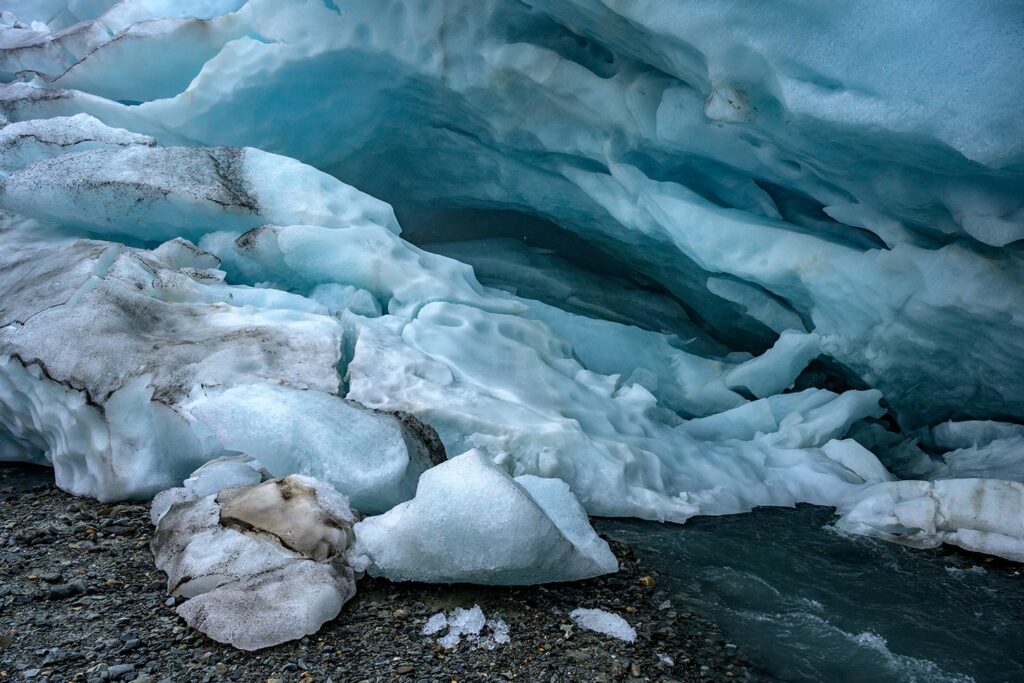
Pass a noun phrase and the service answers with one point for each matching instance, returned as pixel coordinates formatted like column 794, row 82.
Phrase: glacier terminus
column 415, row 289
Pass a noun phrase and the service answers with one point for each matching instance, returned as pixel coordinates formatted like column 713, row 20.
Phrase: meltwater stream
column 808, row 604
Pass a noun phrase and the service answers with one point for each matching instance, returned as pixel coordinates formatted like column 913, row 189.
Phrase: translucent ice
column 467, row 624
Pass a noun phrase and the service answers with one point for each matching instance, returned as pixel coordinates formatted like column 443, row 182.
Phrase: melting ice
column 764, row 265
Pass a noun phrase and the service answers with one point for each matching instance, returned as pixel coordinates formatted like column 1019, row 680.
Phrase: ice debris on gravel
column 600, row 621
column 469, row 624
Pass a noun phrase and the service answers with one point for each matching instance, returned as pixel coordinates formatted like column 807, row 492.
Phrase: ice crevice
column 658, row 261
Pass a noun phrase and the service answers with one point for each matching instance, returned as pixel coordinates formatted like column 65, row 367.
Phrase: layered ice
column 685, row 258
column 982, row 515
column 163, row 353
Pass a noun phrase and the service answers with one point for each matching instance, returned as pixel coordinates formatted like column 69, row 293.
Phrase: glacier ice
column 685, row 258
column 983, row 515
column 259, row 564
column 470, row 521
column 164, row 351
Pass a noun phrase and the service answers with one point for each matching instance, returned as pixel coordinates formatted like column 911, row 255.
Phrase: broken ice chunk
column 470, row 521
column 982, row 515
column 599, row 621
column 470, row 624
column 374, row 457
column 463, row 622
column 260, row 564
column 435, row 624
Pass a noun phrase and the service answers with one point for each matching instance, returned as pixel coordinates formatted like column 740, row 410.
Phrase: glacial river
column 809, row 604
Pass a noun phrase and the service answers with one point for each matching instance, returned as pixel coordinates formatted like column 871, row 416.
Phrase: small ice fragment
column 469, row 624
column 463, row 622
column 604, row 622
column 498, row 634
column 435, row 624
column 499, row 631
column 449, row 640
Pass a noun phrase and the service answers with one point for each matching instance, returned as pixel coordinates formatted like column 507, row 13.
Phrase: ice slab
column 172, row 367
column 982, row 515
column 471, row 522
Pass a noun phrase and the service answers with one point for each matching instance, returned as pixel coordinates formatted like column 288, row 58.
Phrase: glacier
column 679, row 258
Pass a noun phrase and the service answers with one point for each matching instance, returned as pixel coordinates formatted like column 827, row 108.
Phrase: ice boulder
column 258, row 565
column 172, row 367
column 471, row 522
column 982, row 515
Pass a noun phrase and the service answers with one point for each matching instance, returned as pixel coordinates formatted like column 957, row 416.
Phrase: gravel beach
column 81, row 600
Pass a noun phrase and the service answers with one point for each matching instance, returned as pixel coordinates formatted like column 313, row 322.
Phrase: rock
column 66, row 590
column 119, row 671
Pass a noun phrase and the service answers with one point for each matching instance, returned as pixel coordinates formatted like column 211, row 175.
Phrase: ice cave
column 458, row 291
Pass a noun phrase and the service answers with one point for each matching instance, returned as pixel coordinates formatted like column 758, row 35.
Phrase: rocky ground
column 80, row 600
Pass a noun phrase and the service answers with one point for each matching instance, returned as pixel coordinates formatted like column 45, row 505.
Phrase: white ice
column 600, row 621
column 467, row 624
column 982, row 515
column 470, row 521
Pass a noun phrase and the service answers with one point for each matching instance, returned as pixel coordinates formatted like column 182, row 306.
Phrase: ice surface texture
column 765, row 183
column 259, row 564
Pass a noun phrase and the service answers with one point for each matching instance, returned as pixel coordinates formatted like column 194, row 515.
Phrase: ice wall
column 766, row 184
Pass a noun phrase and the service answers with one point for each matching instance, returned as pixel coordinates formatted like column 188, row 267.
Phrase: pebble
column 119, row 670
